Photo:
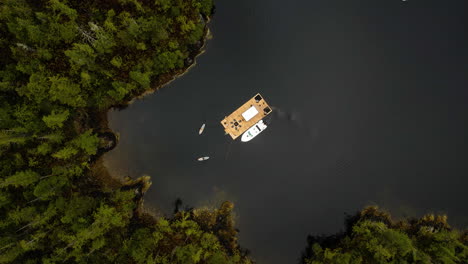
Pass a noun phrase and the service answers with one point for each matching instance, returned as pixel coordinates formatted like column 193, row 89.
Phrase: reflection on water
column 370, row 108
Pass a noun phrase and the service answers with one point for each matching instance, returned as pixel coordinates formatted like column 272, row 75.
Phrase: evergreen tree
column 56, row 119
column 20, row 179
column 373, row 237
column 65, row 62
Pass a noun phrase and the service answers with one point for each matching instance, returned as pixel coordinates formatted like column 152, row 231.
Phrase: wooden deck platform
column 236, row 123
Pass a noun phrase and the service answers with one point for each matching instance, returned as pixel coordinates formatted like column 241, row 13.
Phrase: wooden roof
column 235, row 124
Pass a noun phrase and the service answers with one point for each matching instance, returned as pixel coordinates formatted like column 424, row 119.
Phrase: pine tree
column 56, row 118
column 87, row 142
column 20, row 179
column 66, row 92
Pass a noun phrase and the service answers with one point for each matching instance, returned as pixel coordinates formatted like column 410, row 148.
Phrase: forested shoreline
column 64, row 64
column 373, row 236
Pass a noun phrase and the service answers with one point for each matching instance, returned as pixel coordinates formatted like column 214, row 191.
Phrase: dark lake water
column 371, row 108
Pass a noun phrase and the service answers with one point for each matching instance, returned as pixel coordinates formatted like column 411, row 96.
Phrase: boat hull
column 253, row 131
column 200, row 131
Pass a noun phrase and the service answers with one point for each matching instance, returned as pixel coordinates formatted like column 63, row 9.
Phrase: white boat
column 201, row 129
column 253, row 131
column 203, row 158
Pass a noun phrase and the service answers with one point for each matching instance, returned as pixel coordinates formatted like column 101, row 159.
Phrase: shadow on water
column 179, row 206
column 295, row 121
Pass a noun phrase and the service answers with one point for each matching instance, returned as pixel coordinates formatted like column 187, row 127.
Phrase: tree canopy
column 373, row 237
column 64, row 63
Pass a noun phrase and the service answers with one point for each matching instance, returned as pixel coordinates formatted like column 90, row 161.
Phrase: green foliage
column 63, row 62
column 87, row 142
column 26, row 119
column 169, row 60
column 121, row 89
column 134, row 3
column 44, row 149
column 61, row 8
column 37, row 88
column 192, row 244
column 196, row 34
column 20, row 179
column 123, row 200
column 104, row 40
column 143, row 79
column 65, row 153
column 9, row 137
column 116, row 61
column 375, row 238
column 206, row 7
column 164, row 5
column 5, row 199
column 49, row 186
column 56, row 118
column 81, row 55
column 65, row 91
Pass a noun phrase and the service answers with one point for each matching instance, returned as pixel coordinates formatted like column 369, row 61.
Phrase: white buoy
column 203, row 158
column 201, row 129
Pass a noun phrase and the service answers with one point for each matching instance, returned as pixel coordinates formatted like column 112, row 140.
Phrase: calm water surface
column 371, row 108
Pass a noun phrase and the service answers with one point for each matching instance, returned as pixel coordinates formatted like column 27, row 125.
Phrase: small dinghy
column 203, row 158
column 201, row 129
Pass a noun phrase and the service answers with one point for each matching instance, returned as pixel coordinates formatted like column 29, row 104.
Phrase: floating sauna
column 246, row 116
